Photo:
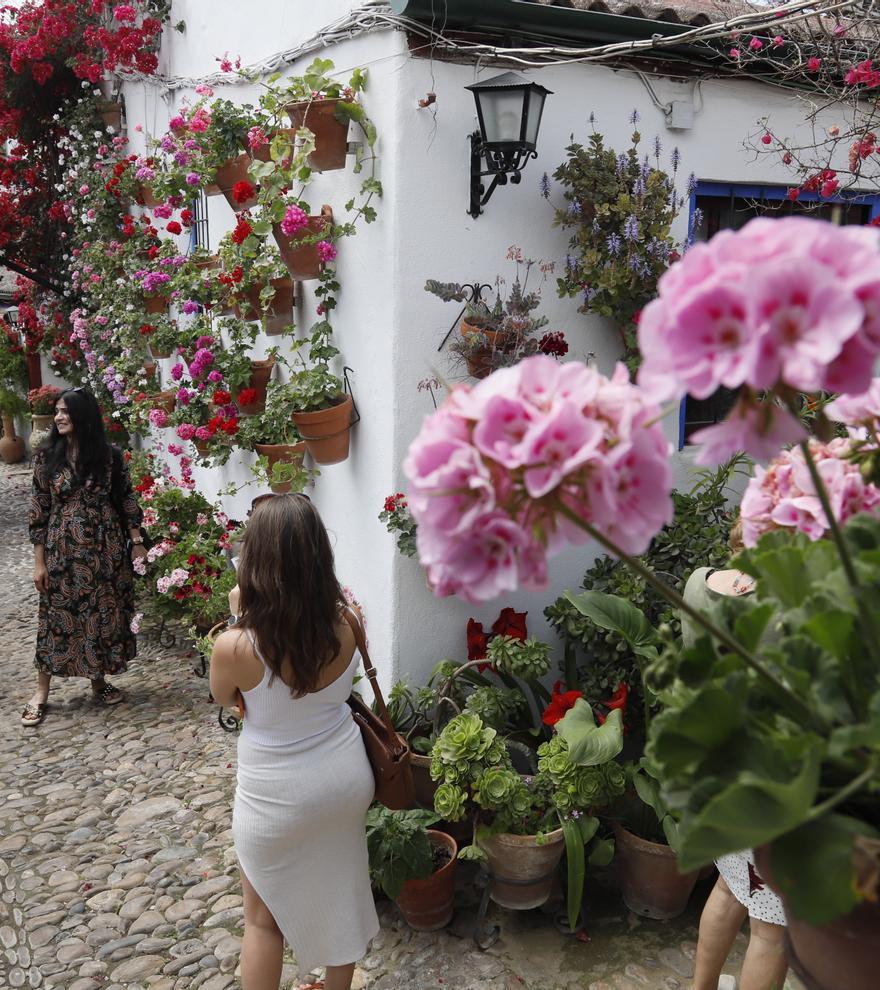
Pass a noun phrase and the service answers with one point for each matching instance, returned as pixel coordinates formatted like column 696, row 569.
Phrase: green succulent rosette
column 449, row 802
column 496, row 787
column 496, row 706
column 528, row 659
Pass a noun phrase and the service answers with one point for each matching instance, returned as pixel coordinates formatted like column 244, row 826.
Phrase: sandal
column 318, row 985
column 33, row 714
column 108, row 695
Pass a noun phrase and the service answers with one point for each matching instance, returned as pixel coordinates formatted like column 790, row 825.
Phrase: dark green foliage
column 399, row 847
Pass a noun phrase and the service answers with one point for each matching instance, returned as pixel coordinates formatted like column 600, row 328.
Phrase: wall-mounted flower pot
column 277, row 316
column 649, row 878
column 145, row 197
column 302, row 260
column 159, row 352
column 283, row 453
column 261, row 372
column 156, row 304
column 211, row 263
column 522, row 871
column 235, row 170
column 150, row 369
column 163, row 400
column 427, row 905
column 11, row 445
column 424, row 785
column 479, row 362
column 262, row 154
column 202, row 446
column 111, row 114
column 331, row 135
column 327, row 431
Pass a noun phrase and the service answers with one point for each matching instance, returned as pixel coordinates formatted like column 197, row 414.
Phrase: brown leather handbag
column 388, row 752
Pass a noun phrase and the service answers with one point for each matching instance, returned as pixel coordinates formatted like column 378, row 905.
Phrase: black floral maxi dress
column 85, row 617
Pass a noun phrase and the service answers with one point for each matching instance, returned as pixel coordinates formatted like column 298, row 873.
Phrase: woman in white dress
column 304, row 780
column 739, row 892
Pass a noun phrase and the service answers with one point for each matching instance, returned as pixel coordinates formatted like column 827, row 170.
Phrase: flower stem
column 673, row 597
column 856, row 784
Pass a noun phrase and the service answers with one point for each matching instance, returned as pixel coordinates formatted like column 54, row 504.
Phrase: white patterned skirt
column 749, row 888
column 298, row 824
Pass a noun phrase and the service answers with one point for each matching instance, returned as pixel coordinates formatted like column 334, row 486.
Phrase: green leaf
column 749, row 626
column 750, row 812
column 574, row 853
column 590, row 745
column 832, row 631
column 813, row 868
column 602, row 852
column 783, row 572
column 614, row 613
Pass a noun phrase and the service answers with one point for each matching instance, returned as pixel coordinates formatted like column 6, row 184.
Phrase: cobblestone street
column 116, row 860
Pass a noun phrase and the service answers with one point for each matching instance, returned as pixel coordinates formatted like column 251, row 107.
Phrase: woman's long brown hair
column 290, row 597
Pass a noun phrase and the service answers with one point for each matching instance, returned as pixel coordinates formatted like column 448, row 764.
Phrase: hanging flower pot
column 277, row 315
column 11, row 445
column 111, row 114
column 228, row 176
column 303, row 260
column 283, row 453
column 210, row 263
column 327, row 431
column 479, row 361
column 202, row 446
column 261, row 372
column 262, row 153
column 144, row 196
column 163, row 400
column 150, row 368
column 331, row 135
column 156, row 304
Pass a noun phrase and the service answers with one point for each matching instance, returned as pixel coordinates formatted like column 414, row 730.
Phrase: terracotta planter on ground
column 284, row 453
column 302, row 260
column 278, row 314
column 156, row 304
column 839, row 955
column 425, row 787
column 41, row 427
column 327, row 431
column 11, row 445
column 261, row 372
column 331, row 135
column 528, row 867
column 649, row 878
column 235, row 170
column 427, row 905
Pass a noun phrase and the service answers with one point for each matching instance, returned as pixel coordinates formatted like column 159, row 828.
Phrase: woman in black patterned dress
column 83, row 518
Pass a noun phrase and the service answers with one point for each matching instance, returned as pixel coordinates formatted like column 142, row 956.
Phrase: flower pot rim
column 647, row 846
column 510, row 839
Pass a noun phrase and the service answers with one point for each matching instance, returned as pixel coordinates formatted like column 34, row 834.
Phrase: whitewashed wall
column 387, row 327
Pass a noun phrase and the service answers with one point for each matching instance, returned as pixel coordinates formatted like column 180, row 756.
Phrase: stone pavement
column 116, row 861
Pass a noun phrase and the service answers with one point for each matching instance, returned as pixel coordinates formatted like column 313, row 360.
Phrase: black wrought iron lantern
column 509, row 110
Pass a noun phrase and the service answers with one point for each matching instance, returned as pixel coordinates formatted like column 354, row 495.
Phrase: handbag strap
column 369, row 669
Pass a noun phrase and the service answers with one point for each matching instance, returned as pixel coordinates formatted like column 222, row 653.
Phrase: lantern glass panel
column 536, row 108
column 502, row 115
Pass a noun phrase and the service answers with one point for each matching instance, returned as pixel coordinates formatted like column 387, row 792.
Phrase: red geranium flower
column 145, row 329
column 221, row 398
column 477, row 640
column 247, row 396
column 173, row 227
column 510, row 623
column 243, row 191
column 230, row 427
column 560, row 702
column 242, row 231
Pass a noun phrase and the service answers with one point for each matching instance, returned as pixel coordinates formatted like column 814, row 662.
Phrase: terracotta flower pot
column 150, row 369
column 156, row 304
column 261, row 372
column 327, row 431
column 479, row 362
column 283, row 453
column 202, row 446
column 839, row 955
column 163, row 400
column 11, row 445
column 262, row 153
column 235, row 170
column 145, row 196
column 427, row 905
column 331, row 135
column 649, row 878
column 111, row 114
column 41, row 427
column 527, row 868
column 277, row 316
column 208, row 264
column 302, row 260
column 159, row 352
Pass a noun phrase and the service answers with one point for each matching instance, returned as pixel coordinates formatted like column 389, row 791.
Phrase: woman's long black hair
column 88, row 427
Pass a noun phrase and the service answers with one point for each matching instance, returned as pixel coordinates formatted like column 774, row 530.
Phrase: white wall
column 387, row 327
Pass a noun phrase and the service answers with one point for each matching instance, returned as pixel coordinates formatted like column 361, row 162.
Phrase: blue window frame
column 725, row 206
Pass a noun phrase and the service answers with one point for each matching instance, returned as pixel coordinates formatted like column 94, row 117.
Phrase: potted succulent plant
column 413, row 864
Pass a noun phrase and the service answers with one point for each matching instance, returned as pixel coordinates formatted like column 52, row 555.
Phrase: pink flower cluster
column 792, row 303
column 176, row 579
column 295, row 218
column 326, row 251
column 492, row 466
column 857, row 410
column 783, row 496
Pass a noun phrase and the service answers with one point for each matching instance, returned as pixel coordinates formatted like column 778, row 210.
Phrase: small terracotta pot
column 164, row 400
column 649, row 878
column 235, row 170
column 327, row 431
column 479, row 363
column 261, row 154
column 261, row 372
column 155, row 304
column 528, row 868
column 11, row 445
column 302, row 260
column 283, row 453
column 208, row 264
column 111, row 114
column 150, row 369
column 157, row 352
column 427, row 905
column 331, row 135
column 202, row 446
column 145, row 196
column 278, row 315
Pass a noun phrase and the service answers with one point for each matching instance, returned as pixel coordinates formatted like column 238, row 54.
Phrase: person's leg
column 42, row 693
column 338, row 977
column 105, row 692
column 765, row 965
column 262, row 947
column 720, row 923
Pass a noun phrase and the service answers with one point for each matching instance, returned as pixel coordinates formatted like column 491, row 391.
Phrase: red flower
column 247, row 396
column 243, row 191
column 221, row 398
column 145, row 329
column 560, row 702
column 553, row 344
column 618, row 699
column 394, row 502
column 510, row 623
column 230, row 427
column 242, row 231
column 146, row 483
column 477, row 640
column 173, row 227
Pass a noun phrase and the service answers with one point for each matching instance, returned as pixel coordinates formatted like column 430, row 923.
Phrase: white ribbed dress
column 298, row 823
